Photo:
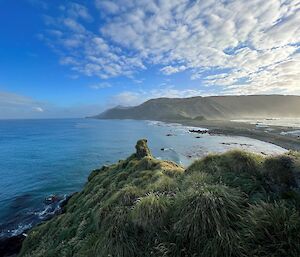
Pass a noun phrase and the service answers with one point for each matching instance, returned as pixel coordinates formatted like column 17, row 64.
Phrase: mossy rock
column 142, row 149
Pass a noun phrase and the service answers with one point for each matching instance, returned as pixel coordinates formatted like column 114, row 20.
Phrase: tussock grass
column 235, row 161
column 235, row 204
column 236, row 169
column 116, row 235
column 164, row 184
column 207, row 220
column 150, row 211
column 279, row 171
column 273, row 230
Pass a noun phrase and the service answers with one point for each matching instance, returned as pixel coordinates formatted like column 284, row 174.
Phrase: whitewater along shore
column 270, row 134
column 10, row 246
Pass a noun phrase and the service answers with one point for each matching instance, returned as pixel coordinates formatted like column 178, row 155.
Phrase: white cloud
column 38, row 109
column 18, row 106
column 127, row 98
column 107, row 6
column 15, row 106
column 250, row 45
column 131, row 98
column 168, row 70
column 100, row 85
column 76, row 10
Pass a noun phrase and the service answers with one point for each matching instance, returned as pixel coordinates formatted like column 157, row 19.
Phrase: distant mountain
column 210, row 108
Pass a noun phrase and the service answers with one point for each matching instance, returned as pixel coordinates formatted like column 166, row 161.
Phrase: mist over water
column 43, row 157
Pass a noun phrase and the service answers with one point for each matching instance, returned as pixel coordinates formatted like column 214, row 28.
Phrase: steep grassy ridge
column 235, row 204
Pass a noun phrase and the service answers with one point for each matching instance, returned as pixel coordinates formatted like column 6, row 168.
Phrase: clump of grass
column 170, row 169
column 273, row 230
column 164, row 184
column 208, row 220
column 279, row 171
column 129, row 194
column 197, row 180
column 234, row 168
column 150, row 211
column 235, row 161
column 117, row 236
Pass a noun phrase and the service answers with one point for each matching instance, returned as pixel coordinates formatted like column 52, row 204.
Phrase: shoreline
column 10, row 246
column 230, row 128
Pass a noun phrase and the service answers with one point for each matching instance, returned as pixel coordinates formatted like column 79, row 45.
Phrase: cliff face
column 234, row 204
column 217, row 107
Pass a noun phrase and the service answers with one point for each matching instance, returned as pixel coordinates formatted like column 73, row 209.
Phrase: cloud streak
column 16, row 106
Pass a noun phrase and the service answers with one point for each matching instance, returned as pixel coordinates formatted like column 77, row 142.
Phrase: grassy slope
column 234, row 204
column 210, row 108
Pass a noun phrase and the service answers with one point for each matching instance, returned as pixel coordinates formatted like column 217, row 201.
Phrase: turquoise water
column 43, row 157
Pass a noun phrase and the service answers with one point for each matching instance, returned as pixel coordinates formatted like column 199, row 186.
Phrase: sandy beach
column 270, row 134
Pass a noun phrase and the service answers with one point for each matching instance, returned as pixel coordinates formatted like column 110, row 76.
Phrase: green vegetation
column 235, row 204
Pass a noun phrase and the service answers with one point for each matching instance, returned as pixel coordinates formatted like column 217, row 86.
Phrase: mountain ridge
column 210, row 108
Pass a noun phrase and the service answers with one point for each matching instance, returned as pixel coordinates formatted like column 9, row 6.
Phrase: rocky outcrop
column 142, row 149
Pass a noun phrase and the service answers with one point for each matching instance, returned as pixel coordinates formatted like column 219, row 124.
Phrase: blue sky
column 76, row 58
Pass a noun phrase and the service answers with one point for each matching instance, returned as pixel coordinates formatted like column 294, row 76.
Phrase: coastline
column 161, row 198
column 11, row 245
column 215, row 128
column 244, row 129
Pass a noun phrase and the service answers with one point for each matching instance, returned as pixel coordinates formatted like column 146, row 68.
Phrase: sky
column 76, row 58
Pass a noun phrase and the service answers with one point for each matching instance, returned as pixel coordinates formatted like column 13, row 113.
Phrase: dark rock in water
column 199, row 131
column 65, row 202
column 52, row 199
column 11, row 246
column 55, row 206
column 169, row 135
column 198, row 137
column 142, row 149
column 162, row 149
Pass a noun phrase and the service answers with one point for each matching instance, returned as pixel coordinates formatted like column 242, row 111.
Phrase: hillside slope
column 215, row 107
column 230, row 205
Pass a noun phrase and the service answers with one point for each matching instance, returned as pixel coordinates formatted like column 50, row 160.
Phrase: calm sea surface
column 43, row 157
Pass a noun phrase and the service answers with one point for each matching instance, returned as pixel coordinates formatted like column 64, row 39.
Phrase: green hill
column 234, row 204
column 214, row 107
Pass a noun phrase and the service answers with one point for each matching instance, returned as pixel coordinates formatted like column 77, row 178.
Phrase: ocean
column 39, row 158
